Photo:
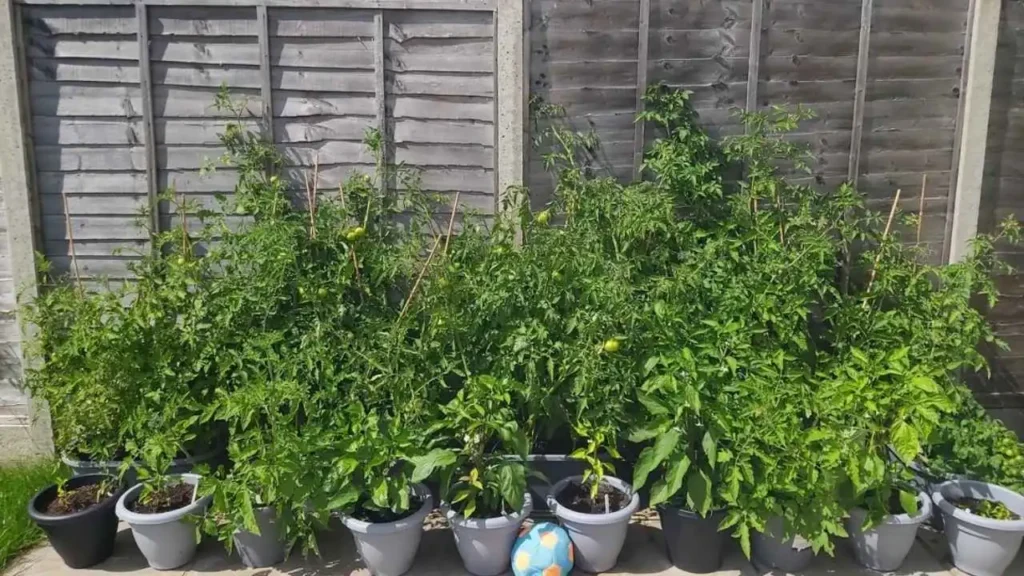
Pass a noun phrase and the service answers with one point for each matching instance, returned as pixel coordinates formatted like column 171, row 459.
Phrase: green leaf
column 645, row 464
column 925, row 384
column 666, row 488
column 652, row 405
column 710, row 448
column 248, row 514
column 909, row 502
column 380, row 493
column 698, row 492
column 643, row 434
column 743, row 530
column 905, row 441
column 426, row 464
column 512, row 484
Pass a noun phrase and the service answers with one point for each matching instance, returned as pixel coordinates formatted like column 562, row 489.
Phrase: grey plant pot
column 388, row 549
column 886, row 546
column 769, row 548
column 167, row 540
column 485, row 544
column 266, row 548
column 597, row 538
column 980, row 546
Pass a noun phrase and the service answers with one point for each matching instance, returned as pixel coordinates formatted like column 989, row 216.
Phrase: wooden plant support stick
column 426, row 265
column 920, row 206
column 423, row 271
column 311, row 195
column 885, row 235
column 451, row 224
column 183, row 214
column 71, row 241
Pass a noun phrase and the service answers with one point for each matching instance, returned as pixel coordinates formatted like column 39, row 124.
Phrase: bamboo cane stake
column 920, row 206
column 426, row 265
column 451, row 223
column 885, row 235
column 71, row 241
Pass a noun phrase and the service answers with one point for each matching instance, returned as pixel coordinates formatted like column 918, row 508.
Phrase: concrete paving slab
column 643, row 554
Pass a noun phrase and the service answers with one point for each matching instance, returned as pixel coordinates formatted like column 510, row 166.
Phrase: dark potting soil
column 78, row 499
column 164, row 499
column 576, row 497
column 387, row 516
column 985, row 508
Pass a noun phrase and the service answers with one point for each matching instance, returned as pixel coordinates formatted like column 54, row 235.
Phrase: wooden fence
column 117, row 104
column 108, row 102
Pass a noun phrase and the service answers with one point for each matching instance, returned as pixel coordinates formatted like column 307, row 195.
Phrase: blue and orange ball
column 543, row 550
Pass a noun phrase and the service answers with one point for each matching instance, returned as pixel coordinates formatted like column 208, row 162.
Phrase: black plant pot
column 82, row 539
column 694, row 543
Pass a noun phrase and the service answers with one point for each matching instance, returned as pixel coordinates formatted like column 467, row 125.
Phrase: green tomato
column 612, row 345
column 181, row 261
column 544, row 217
column 321, row 292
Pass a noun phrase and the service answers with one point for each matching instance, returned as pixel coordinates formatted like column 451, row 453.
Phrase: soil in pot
column 985, row 508
column 577, row 498
column 374, row 516
column 75, row 500
column 78, row 518
column 164, row 499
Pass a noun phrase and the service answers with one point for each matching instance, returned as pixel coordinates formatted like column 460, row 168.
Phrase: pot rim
column 43, row 518
column 923, row 513
column 998, row 493
column 713, row 513
column 602, row 518
column 140, row 519
column 492, row 523
column 411, row 522
column 199, row 457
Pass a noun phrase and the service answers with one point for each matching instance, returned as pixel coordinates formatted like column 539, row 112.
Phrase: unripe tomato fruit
column 544, row 217
column 612, row 345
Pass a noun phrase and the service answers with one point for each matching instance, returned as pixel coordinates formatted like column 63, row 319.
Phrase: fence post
column 977, row 103
column 860, row 91
column 20, row 207
column 508, row 119
column 641, row 84
column 754, row 59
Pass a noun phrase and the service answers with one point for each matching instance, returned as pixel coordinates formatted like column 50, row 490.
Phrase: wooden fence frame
column 16, row 169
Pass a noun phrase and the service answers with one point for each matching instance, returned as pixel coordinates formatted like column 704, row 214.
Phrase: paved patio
column 644, row 553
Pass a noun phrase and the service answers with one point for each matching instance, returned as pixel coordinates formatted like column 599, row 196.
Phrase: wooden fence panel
column 315, row 79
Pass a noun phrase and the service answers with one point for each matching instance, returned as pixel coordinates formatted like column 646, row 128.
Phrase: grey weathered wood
column 266, row 74
column 643, row 35
column 215, row 19
column 958, row 132
column 754, row 66
column 467, row 5
column 294, row 104
column 442, row 132
column 94, row 204
column 442, row 55
column 340, row 53
column 90, row 183
column 860, row 92
column 54, row 20
column 441, row 84
column 200, row 50
column 321, row 24
column 54, row 130
column 444, row 155
column 406, row 25
column 72, row 70
column 149, row 133
column 320, row 129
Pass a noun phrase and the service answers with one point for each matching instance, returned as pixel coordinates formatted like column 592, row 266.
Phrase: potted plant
column 78, row 518
column 984, row 524
column 163, row 511
column 368, row 484
column 686, row 460
column 483, row 480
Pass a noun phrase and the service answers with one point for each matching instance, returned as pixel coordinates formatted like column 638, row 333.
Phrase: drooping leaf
column 698, row 492
column 425, row 465
column 710, row 448
column 668, row 486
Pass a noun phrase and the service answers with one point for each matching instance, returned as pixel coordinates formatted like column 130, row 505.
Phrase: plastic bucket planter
column 168, row 539
column 388, row 549
column 597, row 538
column 485, row 544
column 980, row 546
column 770, row 549
column 113, row 467
column 885, row 547
column 694, row 543
column 84, row 538
column 266, row 548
